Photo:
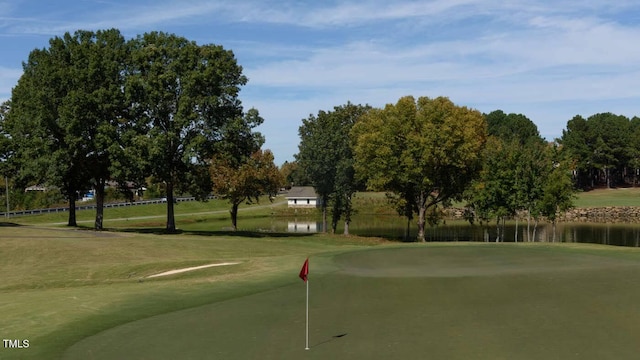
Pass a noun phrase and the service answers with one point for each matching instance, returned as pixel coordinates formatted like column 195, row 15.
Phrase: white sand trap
column 177, row 271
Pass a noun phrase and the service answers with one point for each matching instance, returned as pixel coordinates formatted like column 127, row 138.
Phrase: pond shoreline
column 605, row 214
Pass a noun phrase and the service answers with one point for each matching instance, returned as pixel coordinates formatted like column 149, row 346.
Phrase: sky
column 549, row 60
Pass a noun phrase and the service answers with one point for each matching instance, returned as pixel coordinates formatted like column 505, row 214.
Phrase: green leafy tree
column 325, row 157
column 532, row 172
column 559, row 192
column 493, row 194
column 96, row 110
column 293, row 175
column 186, row 93
column 611, row 150
column 426, row 152
column 511, row 179
column 600, row 149
column 246, row 181
column 70, row 113
column 49, row 144
column 634, row 155
column 511, row 127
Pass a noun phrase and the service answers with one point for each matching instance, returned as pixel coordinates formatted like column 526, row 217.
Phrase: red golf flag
column 305, row 270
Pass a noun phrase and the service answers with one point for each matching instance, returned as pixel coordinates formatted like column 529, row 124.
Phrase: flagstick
column 307, row 347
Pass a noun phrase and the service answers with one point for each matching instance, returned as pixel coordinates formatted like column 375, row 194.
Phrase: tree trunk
column 528, row 225
column 347, row 214
column 99, row 204
column 553, row 227
column 234, row 216
column 171, row 220
column 407, row 229
column 516, row 236
column 334, row 226
column 421, row 222
column 324, row 214
column 72, row 209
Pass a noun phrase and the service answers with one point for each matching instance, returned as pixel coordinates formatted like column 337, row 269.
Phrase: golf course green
column 437, row 301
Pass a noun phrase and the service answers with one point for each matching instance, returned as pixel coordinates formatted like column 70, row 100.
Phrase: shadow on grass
column 240, row 233
column 330, row 339
column 8, row 224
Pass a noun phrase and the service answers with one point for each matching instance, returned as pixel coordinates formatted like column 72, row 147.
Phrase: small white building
column 302, row 197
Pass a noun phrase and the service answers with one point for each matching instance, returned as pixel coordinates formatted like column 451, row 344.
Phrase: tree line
column 426, row 153
column 604, row 149
column 93, row 107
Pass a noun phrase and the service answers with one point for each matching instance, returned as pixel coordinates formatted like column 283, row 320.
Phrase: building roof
column 305, row 192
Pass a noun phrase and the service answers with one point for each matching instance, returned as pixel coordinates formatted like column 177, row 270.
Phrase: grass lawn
column 83, row 295
column 461, row 301
column 78, row 294
column 609, row 197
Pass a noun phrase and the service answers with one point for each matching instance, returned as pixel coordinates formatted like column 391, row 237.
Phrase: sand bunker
column 177, row 271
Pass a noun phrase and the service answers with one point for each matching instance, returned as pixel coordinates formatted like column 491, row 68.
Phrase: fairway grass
column 440, row 301
column 59, row 286
column 608, row 197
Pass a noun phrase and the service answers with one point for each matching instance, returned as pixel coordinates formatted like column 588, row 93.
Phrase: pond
column 393, row 227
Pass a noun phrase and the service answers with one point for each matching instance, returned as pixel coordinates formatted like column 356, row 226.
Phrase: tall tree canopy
column 293, row 175
column 511, row 127
column 66, row 112
column 601, row 148
column 513, row 171
column 325, row 157
column 186, row 93
column 425, row 151
column 246, row 181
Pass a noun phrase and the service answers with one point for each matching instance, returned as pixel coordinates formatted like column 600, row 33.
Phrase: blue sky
column 549, row 60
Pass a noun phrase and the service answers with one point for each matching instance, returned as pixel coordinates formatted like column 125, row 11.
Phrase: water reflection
column 607, row 234
column 304, row 226
column 394, row 227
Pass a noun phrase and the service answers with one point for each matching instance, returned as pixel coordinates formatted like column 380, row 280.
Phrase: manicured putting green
column 476, row 301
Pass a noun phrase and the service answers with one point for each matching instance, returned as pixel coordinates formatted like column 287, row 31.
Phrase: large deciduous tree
column 558, row 188
column 245, row 181
column 293, row 175
column 70, row 113
column 67, row 109
column 96, row 110
column 325, row 156
column 511, row 127
column 512, row 175
column 425, row 151
column 185, row 93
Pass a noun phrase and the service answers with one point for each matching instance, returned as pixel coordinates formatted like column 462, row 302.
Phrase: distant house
column 302, row 197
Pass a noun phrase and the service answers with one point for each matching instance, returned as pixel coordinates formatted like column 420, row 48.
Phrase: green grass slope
column 470, row 301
